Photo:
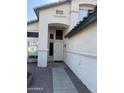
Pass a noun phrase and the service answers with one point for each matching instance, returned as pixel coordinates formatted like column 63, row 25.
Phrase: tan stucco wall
column 34, row 27
column 93, row 2
column 81, row 56
column 49, row 15
column 86, row 38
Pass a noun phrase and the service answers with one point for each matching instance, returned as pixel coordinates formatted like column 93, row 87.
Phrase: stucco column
column 42, row 45
column 74, row 14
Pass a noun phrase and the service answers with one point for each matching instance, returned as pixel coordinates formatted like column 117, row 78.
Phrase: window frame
column 32, row 44
column 59, row 12
column 61, row 35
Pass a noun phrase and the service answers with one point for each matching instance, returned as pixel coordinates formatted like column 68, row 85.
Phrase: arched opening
column 56, row 41
column 58, row 25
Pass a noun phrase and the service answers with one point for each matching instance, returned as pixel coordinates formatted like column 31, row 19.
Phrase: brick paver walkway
column 56, row 78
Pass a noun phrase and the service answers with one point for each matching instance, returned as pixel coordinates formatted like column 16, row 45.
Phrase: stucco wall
column 93, row 2
column 34, row 27
column 80, row 56
column 49, row 15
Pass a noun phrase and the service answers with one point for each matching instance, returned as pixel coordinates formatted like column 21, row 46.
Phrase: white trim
column 44, row 50
column 73, row 11
column 33, row 30
column 32, row 39
column 58, row 15
column 82, row 53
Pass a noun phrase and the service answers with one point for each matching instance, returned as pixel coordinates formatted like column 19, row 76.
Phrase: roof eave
column 83, row 24
column 37, row 13
column 32, row 21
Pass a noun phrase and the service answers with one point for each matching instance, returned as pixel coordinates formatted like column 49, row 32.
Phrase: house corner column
column 74, row 17
column 42, row 45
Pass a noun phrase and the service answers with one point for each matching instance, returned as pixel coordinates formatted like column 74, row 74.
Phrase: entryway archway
column 56, row 41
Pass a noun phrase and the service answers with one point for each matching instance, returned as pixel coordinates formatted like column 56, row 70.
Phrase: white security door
column 58, row 45
column 58, row 51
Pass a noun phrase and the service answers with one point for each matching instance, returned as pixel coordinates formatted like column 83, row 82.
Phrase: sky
column 32, row 4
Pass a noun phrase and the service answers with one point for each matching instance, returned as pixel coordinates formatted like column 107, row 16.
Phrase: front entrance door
column 58, row 46
column 58, row 51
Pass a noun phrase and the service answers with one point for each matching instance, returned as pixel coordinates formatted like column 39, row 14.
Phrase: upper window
column 59, row 12
column 59, row 34
column 82, row 13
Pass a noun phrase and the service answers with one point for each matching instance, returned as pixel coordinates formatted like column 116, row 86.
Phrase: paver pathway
column 61, row 81
column 42, row 80
column 56, row 78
